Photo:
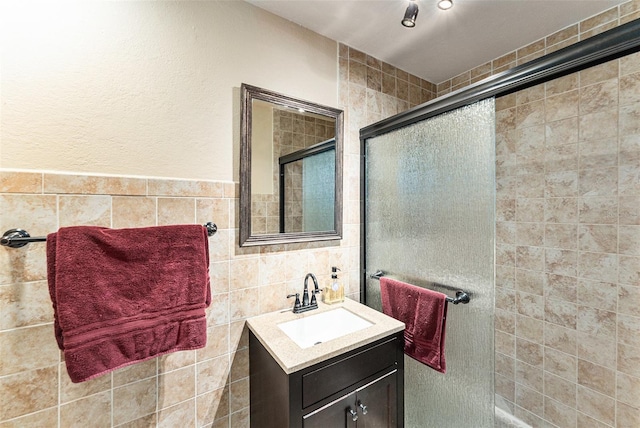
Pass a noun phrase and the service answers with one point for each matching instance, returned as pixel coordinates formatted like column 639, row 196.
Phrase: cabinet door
column 338, row 414
column 376, row 403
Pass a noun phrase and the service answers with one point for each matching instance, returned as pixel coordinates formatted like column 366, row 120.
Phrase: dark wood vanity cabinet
column 362, row 388
column 372, row 406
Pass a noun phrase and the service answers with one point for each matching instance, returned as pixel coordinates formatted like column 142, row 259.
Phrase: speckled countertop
column 293, row 358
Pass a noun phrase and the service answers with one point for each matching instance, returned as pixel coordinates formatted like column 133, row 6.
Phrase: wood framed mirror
column 290, row 169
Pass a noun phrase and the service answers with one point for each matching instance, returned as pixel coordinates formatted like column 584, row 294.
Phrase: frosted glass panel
column 429, row 218
column 318, row 191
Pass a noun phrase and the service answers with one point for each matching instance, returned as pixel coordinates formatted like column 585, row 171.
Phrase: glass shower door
column 429, row 220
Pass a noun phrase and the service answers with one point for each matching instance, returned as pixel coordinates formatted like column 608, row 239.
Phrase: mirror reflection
column 307, row 190
column 290, row 183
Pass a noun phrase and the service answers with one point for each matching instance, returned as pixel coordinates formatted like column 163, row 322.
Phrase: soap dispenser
column 334, row 292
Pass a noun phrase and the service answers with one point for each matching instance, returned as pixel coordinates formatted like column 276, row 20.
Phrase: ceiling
column 443, row 44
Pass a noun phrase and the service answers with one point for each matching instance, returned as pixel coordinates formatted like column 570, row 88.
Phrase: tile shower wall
column 371, row 90
column 207, row 387
column 567, row 36
column 568, row 249
column 568, row 265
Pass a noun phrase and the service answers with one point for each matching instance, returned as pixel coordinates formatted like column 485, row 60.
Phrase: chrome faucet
column 306, row 304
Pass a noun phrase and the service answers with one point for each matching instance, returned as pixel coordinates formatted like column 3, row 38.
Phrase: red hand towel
column 122, row 296
column 424, row 313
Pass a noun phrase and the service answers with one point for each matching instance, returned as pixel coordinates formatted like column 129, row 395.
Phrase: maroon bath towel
column 122, row 296
column 424, row 313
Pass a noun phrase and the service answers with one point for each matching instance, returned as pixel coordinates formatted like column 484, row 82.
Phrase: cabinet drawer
column 347, row 371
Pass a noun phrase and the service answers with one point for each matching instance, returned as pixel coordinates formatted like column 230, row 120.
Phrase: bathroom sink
column 322, row 327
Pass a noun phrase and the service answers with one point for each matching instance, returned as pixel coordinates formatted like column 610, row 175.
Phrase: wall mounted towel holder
column 16, row 238
column 461, row 296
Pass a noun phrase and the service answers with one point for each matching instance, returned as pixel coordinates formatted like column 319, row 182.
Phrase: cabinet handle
column 363, row 407
column 354, row 415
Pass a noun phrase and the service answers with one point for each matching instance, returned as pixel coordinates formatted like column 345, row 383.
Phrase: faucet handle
column 314, row 301
column 297, row 304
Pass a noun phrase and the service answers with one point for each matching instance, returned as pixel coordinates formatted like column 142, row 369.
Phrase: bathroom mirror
column 290, row 169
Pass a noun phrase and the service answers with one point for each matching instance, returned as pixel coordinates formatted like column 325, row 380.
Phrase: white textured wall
column 145, row 87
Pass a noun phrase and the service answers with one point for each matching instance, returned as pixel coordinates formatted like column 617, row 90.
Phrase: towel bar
column 16, row 238
column 461, row 296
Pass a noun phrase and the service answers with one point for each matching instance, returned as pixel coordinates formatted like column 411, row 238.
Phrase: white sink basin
column 322, row 327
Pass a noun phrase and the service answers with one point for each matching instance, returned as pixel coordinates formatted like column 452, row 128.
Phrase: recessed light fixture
column 410, row 15
column 445, row 4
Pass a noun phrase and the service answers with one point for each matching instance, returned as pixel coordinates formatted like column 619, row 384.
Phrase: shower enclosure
column 427, row 186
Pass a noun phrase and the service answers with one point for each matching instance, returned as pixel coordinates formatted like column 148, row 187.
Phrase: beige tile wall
column 194, row 388
column 568, row 249
column 371, row 90
column 567, row 36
